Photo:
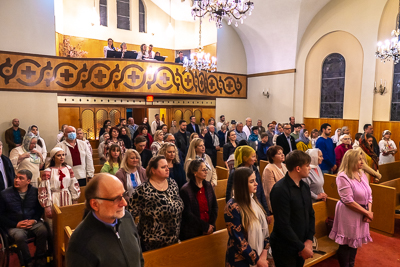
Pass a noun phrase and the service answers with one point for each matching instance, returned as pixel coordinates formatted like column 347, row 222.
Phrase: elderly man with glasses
column 108, row 235
column 285, row 140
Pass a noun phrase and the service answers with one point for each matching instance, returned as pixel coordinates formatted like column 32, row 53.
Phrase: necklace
column 160, row 186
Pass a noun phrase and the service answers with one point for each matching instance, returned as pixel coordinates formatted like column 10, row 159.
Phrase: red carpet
column 384, row 251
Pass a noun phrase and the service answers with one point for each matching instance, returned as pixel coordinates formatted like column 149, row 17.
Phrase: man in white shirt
column 151, row 52
column 61, row 133
column 247, row 127
column 221, row 122
column 156, row 123
column 77, row 155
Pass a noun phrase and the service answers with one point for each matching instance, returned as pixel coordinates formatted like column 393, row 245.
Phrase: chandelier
column 200, row 60
column 217, row 9
column 389, row 50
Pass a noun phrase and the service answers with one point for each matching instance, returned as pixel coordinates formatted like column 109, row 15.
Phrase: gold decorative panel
column 115, row 115
column 101, row 117
column 88, row 123
column 75, row 75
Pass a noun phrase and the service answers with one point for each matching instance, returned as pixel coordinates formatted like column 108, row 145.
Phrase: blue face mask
column 72, row 136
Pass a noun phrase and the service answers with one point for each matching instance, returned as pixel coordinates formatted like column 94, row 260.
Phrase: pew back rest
column 97, row 168
column 330, row 186
column 220, row 188
column 201, row 251
column 389, row 171
column 323, row 210
column 395, row 183
column 263, row 164
column 81, row 198
column 222, row 173
column 220, row 159
column 220, row 222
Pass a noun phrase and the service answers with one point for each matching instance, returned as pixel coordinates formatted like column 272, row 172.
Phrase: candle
column 375, row 84
column 381, row 81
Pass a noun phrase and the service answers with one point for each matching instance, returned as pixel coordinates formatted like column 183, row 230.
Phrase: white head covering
column 335, row 138
column 313, row 153
column 386, row 132
column 55, row 151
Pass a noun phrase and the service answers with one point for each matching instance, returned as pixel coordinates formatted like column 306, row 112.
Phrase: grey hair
column 345, row 128
column 166, row 136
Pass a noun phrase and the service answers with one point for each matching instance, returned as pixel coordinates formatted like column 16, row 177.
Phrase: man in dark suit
column 285, row 140
column 6, row 170
column 145, row 154
column 182, row 138
column 211, row 142
column 179, row 59
column 193, row 127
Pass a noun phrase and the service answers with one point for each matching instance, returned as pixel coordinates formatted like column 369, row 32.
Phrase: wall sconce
column 266, row 94
column 382, row 88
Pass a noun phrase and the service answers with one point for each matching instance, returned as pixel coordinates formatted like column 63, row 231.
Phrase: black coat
column 94, row 243
column 210, row 148
column 13, row 209
column 181, row 143
column 190, row 129
column 178, row 174
column 192, row 226
column 145, row 157
column 282, row 141
column 9, row 170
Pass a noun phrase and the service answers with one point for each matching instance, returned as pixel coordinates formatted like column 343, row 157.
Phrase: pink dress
column 348, row 226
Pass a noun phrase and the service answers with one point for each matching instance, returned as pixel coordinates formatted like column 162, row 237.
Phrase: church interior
column 315, row 60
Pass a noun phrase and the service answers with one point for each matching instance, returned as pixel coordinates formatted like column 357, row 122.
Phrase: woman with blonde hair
column 197, row 150
column 245, row 156
column 193, row 136
column 246, row 222
column 80, row 135
column 158, row 141
column 171, row 154
column 131, row 172
column 354, row 210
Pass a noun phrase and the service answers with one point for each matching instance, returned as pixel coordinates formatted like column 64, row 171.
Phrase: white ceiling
column 271, row 35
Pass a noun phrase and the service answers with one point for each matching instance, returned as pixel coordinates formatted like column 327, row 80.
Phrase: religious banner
column 122, row 76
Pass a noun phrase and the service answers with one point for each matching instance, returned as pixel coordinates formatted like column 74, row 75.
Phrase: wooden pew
column 220, row 159
column 220, row 223
column 96, row 161
column 220, row 189
column 201, row 251
column 67, row 236
column 389, row 171
column 385, row 200
column 64, row 216
column 97, row 168
column 330, row 186
column 322, row 211
column 81, row 198
column 263, row 164
column 222, row 173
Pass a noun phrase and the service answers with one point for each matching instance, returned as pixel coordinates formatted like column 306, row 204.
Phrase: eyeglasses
column 204, row 170
column 116, row 200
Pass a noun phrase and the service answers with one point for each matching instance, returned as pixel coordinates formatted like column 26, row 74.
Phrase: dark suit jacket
column 181, row 144
column 9, row 170
column 282, row 141
column 178, row 60
column 190, row 129
column 209, row 144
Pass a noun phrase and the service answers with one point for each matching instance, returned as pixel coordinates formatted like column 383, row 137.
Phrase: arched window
column 395, row 109
column 142, row 17
column 103, row 13
column 123, row 15
column 332, row 86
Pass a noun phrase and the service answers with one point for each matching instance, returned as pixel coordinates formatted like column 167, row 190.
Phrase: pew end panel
column 383, row 206
column 330, row 186
column 201, row 251
column 97, row 168
column 220, row 159
column 263, row 164
column 222, row 173
column 220, row 188
column 220, row 222
column 67, row 236
column 81, row 198
column 389, row 171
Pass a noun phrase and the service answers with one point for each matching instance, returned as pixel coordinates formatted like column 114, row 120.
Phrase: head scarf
column 277, row 131
column 55, row 151
column 313, row 153
column 241, row 152
column 30, row 130
column 335, row 138
column 386, row 132
column 27, row 141
column 302, row 138
column 253, row 137
column 369, row 151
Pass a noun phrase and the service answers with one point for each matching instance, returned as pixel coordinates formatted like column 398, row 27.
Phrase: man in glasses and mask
column 108, row 235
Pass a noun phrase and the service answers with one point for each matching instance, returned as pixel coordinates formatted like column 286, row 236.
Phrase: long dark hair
column 105, row 123
column 112, row 45
column 242, row 196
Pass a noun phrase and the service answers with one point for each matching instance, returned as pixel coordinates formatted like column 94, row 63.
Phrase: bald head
column 108, row 185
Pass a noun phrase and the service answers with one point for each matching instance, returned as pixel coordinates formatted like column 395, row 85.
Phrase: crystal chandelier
column 200, row 60
column 389, row 50
column 217, row 9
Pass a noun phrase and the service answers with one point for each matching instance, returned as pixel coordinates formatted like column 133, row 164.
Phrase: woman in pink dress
column 354, row 210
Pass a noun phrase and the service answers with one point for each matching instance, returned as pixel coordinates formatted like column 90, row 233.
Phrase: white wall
column 40, row 109
column 28, row 26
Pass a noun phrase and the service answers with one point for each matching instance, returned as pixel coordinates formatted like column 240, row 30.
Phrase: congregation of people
column 165, row 178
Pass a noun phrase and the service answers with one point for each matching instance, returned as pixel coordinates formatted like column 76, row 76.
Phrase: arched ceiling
column 272, row 33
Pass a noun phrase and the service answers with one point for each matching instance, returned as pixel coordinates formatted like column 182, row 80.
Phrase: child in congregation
column 113, row 160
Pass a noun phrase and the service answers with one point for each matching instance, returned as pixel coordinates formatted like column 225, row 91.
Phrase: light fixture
column 389, row 50
column 200, row 60
column 382, row 88
column 233, row 10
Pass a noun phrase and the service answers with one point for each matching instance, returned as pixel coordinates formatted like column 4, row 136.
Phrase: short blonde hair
column 128, row 154
column 157, row 133
column 163, row 151
column 192, row 136
column 350, row 161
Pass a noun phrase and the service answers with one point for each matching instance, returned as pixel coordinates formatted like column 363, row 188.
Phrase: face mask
column 72, row 136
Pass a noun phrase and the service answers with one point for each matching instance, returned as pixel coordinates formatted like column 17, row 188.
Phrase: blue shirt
column 328, row 152
column 17, row 136
column 109, row 224
column 240, row 136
